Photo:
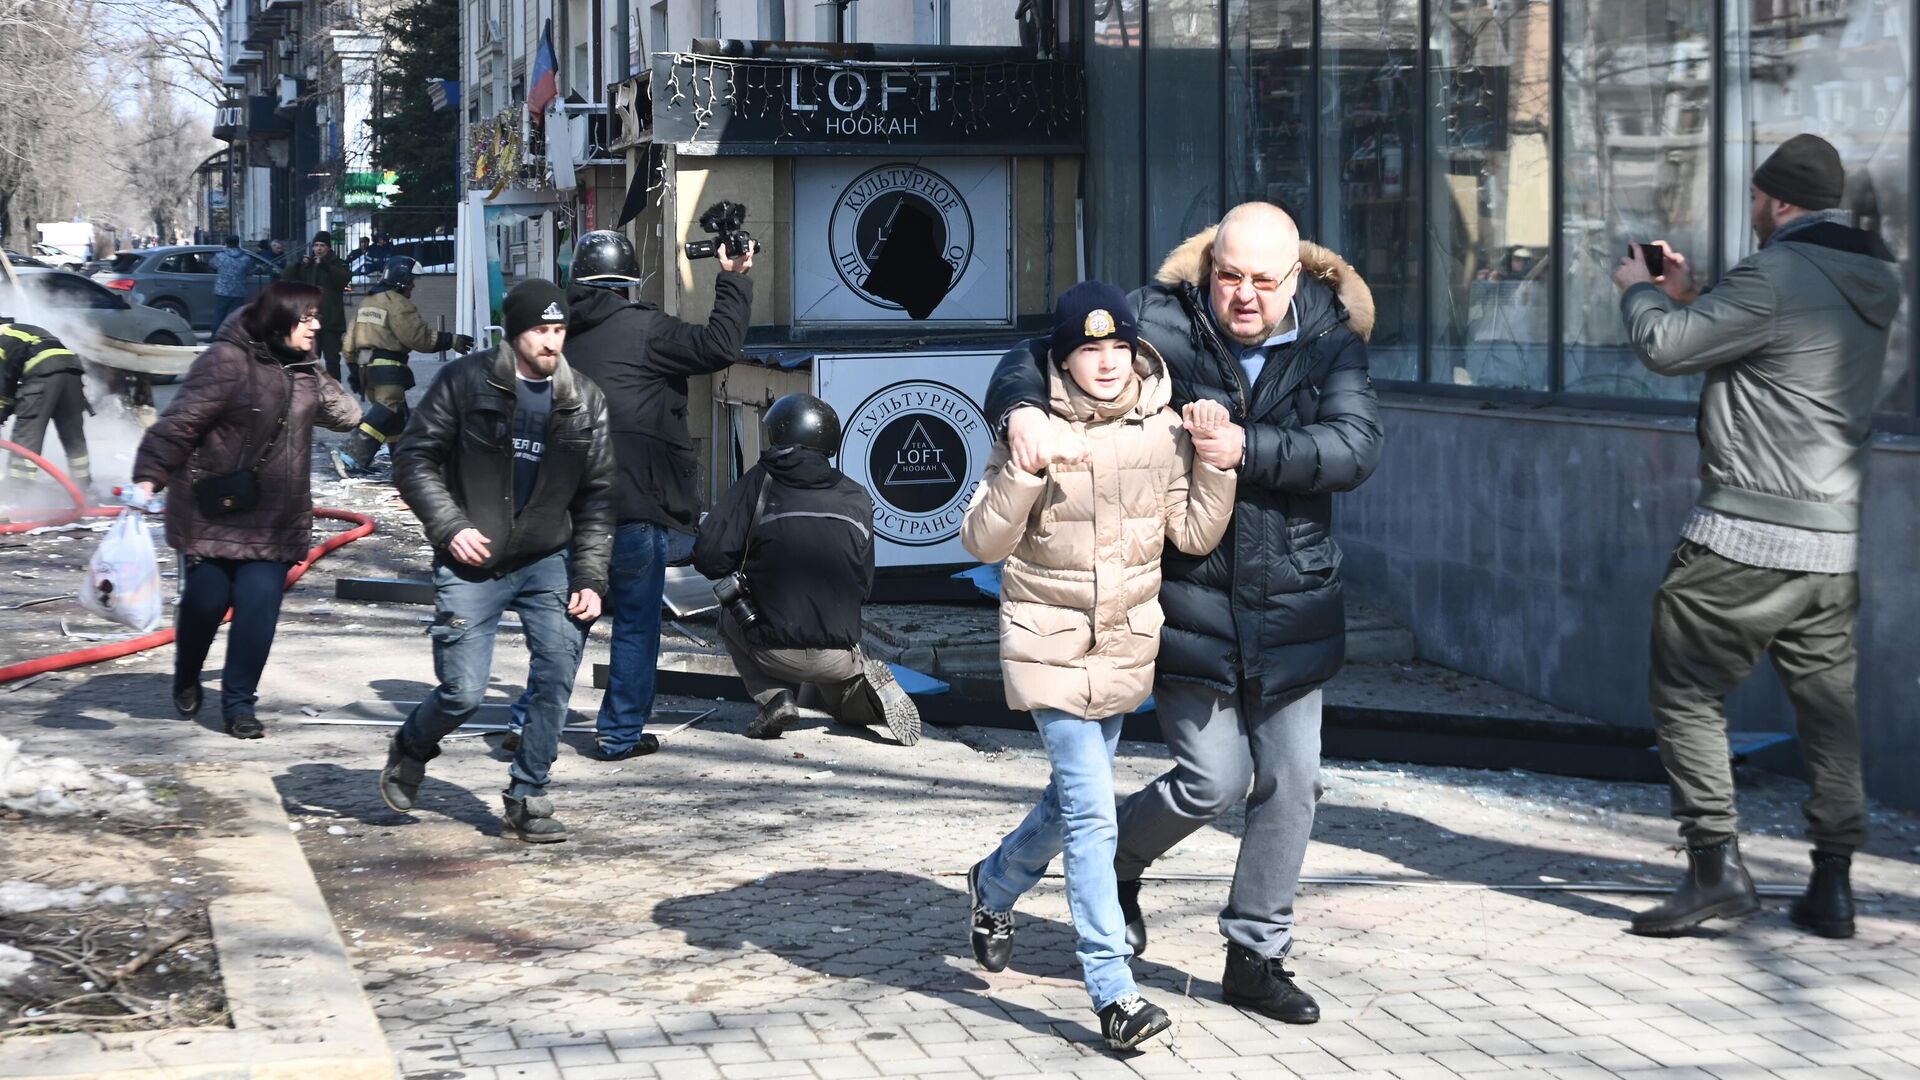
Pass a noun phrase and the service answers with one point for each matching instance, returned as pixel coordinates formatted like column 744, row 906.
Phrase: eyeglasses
column 311, row 317
column 1261, row 282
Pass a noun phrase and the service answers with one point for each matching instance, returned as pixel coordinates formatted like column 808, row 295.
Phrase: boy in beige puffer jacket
column 1080, row 619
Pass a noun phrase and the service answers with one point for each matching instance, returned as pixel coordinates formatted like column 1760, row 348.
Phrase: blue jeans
column 468, row 607
column 635, row 583
column 253, row 589
column 224, row 306
column 1075, row 814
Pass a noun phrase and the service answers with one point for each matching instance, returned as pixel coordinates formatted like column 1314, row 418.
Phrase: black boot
column 1130, row 911
column 1827, row 907
column 1264, row 985
column 1717, row 886
column 776, row 716
column 401, row 777
column 532, row 819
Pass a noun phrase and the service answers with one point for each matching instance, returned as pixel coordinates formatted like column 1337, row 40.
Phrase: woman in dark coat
column 250, row 402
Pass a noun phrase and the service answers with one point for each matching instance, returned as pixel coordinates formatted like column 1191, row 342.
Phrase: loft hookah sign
column 727, row 105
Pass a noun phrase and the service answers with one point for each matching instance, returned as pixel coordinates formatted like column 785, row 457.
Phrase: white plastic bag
column 123, row 577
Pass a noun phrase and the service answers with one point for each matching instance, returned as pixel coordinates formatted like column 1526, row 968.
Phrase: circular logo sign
column 919, row 447
column 918, row 204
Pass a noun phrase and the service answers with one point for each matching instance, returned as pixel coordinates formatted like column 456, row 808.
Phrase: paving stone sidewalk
column 737, row 909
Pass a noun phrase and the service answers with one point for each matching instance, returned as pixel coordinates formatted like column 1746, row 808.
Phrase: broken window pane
column 1636, row 124
column 1490, row 204
column 1369, row 164
column 1270, row 98
column 1840, row 69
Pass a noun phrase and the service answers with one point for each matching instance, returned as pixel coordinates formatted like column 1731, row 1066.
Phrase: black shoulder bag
column 231, row 493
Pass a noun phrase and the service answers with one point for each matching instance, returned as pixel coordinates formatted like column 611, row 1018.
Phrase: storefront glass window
column 1637, row 124
column 1490, row 193
column 1842, row 70
column 1269, row 105
column 1369, row 156
column 1184, row 121
column 1115, row 203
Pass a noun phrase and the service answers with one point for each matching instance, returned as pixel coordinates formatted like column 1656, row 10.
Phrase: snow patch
column 13, row 964
column 27, row 897
column 62, row 787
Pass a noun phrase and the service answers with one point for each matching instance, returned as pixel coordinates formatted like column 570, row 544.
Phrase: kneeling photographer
column 642, row 357
column 791, row 550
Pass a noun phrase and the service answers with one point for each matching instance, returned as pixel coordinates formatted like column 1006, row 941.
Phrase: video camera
column 723, row 220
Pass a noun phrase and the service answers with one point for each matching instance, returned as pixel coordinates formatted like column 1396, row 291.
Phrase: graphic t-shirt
column 529, row 436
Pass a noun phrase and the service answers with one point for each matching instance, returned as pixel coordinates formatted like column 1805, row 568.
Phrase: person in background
column 42, row 382
column 793, row 539
column 324, row 270
column 508, row 464
column 642, row 357
column 249, row 404
column 232, row 268
column 389, row 326
column 1080, row 617
column 1792, row 342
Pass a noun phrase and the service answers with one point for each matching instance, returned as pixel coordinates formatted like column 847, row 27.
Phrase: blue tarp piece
column 986, row 578
column 917, row 682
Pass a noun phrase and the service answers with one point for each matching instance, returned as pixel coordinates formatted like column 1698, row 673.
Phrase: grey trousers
column 1713, row 620
column 1226, row 747
column 839, row 674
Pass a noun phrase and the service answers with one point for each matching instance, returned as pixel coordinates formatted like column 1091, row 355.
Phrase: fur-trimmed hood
column 1190, row 263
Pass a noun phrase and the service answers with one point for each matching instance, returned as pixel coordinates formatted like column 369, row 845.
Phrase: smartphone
column 1654, row 256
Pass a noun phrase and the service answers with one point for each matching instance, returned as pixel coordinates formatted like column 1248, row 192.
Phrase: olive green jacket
column 1792, row 342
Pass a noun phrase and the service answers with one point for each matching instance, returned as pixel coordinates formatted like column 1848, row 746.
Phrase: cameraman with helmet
column 390, row 325
column 642, row 358
column 791, row 547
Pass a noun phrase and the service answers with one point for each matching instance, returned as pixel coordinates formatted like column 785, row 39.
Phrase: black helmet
column 803, row 420
column 604, row 258
column 399, row 272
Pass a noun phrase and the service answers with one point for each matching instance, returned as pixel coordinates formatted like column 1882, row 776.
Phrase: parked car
column 104, row 309
column 178, row 279
column 18, row 259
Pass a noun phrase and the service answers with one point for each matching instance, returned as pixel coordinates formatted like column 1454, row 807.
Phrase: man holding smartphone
column 1792, row 341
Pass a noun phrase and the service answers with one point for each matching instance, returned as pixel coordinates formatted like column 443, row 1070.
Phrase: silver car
column 179, row 279
column 99, row 308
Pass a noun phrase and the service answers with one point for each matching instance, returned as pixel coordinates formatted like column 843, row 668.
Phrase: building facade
column 1484, row 164
column 302, row 79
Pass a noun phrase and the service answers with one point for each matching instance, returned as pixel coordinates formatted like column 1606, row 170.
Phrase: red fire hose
column 362, row 526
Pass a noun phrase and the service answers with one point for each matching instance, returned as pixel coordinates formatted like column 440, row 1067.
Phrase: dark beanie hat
column 323, row 238
column 534, row 302
column 1805, row 172
column 1092, row 311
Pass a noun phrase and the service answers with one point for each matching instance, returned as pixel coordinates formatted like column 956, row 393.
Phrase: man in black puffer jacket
column 1246, row 315
column 796, row 535
column 642, row 357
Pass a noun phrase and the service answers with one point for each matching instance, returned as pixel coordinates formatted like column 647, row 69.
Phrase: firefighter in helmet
column 390, row 328
column 41, row 383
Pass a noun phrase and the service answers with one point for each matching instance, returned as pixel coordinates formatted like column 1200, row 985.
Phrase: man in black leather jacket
column 508, row 465
column 1274, row 329
column 642, row 357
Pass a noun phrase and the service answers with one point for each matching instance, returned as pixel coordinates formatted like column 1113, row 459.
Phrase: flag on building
column 545, row 86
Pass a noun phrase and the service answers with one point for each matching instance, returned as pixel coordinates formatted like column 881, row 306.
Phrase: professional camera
column 724, row 221
column 733, row 594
